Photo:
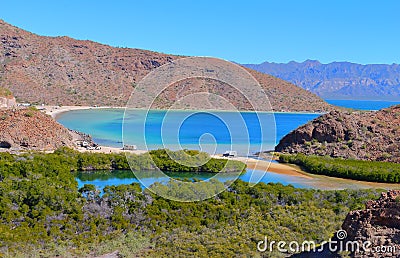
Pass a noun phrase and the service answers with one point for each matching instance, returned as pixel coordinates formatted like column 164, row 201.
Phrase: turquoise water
column 105, row 125
column 362, row 104
column 216, row 132
column 242, row 132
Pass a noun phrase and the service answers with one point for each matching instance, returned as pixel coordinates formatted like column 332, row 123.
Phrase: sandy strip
column 268, row 166
column 275, row 168
column 54, row 111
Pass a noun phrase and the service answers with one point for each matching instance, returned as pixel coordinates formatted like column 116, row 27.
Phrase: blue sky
column 241, row 31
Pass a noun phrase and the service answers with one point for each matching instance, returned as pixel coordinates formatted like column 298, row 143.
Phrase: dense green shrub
column 373, row 171
column 148, row 161
column 196, row 162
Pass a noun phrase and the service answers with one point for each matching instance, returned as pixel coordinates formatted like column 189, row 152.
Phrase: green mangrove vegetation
column 372, row 171
column 193, row 161
column 72, row 160
column 44, row 214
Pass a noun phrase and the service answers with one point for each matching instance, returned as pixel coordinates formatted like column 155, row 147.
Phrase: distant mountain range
column 339, row 80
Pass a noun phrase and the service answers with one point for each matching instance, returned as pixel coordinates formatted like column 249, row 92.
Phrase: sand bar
column 265, row 165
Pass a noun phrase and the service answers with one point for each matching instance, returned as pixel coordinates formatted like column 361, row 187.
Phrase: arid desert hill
column 65, row 71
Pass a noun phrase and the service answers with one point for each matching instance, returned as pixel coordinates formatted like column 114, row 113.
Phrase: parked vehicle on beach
column 230, row 154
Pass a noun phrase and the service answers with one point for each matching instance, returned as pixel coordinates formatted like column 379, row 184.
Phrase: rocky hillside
column 339, row 80
column 359, row 135
column 65, row 71
column 22, row 129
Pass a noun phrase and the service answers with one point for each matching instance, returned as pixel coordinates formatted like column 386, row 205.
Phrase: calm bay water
column 220, row 130
column 105, row 125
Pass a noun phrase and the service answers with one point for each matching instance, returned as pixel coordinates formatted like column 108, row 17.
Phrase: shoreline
column 314, row 181
column 108, row 150
column 55, row 111
column 254, row 164
column 276, row 168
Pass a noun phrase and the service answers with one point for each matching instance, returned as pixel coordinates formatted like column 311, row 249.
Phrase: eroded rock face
column 29, row 129
column 379, row 224
column 360, row 135
column 373, row 232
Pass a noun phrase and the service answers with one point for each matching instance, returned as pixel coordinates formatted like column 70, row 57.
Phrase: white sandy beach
column 106, row 149
column 54, row 111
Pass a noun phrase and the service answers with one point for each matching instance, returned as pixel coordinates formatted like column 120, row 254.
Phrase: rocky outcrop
column 378, row 224
column 359, row 135
column 372, row 232
column 30, row 129
column 65, row 71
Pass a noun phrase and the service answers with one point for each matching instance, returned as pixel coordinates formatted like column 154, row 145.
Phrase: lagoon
column 102, row 179
column 200, row 130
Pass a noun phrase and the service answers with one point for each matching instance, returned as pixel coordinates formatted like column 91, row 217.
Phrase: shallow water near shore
column 102, row 179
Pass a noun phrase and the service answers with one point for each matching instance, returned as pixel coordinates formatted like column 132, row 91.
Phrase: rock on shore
column 30, row 129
